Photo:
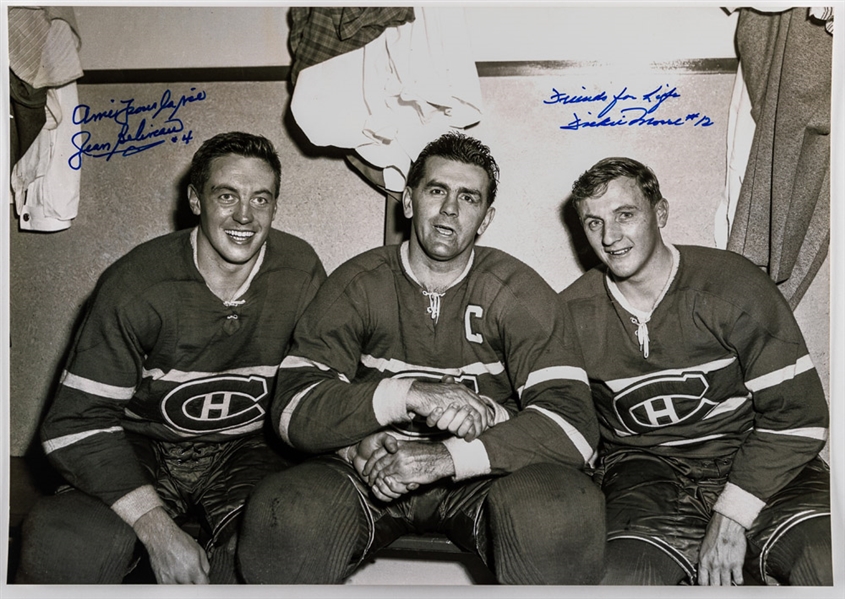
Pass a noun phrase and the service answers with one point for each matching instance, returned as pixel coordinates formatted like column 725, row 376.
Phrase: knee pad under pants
column 73, row 538
column 302, row 526
column 546, row 524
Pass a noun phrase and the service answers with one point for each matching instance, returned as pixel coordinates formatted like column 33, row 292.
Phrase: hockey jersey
column 160, row 355
column 373, row 329
column 719, row 367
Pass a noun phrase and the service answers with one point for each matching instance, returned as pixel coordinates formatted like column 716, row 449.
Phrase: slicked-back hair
column 233, row 142
column 461, row 148
column 593, row 183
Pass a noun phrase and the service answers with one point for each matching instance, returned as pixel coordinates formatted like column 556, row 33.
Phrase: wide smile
column 239, row 236
column 617, row 253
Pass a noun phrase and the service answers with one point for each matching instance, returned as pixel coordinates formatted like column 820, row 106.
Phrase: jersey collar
column 235, row 301
column 433, row 309
column 640, row 318
column 406, row 264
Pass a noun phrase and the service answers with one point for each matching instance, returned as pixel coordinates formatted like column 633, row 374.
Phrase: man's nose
column 450, row 205
column 243, row 212
column 611, row 233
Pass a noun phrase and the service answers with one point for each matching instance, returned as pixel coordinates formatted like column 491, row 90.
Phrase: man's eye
column 593, row 225
column 625, row 215
column 260, row 201
column 469, row 198
column 227, row 197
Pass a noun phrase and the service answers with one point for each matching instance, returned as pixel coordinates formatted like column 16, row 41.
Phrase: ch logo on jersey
column 215, row 404
column 663, row 400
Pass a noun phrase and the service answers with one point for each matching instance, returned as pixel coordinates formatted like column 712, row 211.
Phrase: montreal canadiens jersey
column 160, row 355
column 372, row 329
column 727, row 370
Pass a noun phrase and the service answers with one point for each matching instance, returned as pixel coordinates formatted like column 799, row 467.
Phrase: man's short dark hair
column 233, row 142
column 461, row 148
column 593, row 182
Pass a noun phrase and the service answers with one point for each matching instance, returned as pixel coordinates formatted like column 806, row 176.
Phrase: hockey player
column 711, row 411
column 438, row 373
column 160, row 412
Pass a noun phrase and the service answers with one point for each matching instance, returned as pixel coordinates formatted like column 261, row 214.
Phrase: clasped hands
column 392, row 467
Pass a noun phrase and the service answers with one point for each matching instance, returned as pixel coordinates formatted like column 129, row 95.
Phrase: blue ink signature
column 625, row 115
column 131, row 138
column 621, row 96
column 562, row 98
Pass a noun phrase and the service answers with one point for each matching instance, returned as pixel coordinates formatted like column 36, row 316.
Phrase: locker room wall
column 127, row 200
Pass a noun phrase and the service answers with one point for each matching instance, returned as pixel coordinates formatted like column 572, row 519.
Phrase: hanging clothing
column 740, row 135
column 825, row 15
column 26, row 111
column 387, row 100
column 44, row 64
column 44, row 187
column 44, row 45
column 318, row 34
column 782, row 219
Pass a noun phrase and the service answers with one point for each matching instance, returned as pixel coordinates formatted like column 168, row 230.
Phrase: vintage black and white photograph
column 419, row 298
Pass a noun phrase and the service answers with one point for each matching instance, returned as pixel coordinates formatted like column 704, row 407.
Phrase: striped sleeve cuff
column 136, row 503
column 738, row 505
column 389, row 401
column 470, row 459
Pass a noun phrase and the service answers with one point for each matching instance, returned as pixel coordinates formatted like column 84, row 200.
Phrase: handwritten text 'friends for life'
column 624, row 109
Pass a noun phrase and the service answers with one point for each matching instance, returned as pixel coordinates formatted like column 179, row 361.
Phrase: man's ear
column 661, row 210
column 407, row 205
column 194, row 200
column 488, row 218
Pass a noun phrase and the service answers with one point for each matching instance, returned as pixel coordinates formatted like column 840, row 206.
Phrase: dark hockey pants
column 317, row 522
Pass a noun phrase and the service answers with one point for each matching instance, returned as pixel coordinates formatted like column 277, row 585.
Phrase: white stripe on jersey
column 397, row 366
column 691, row 441
column 570, row 431
column 183, row 434
column 59, row 442
column 778, row 376
column 284, row 420
column 247, row 428
column 619, row 384
column 555, row 373
column 729, row 405
column 299, row 362
column 94, row 388
column 812, row 432
column 179, row 376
